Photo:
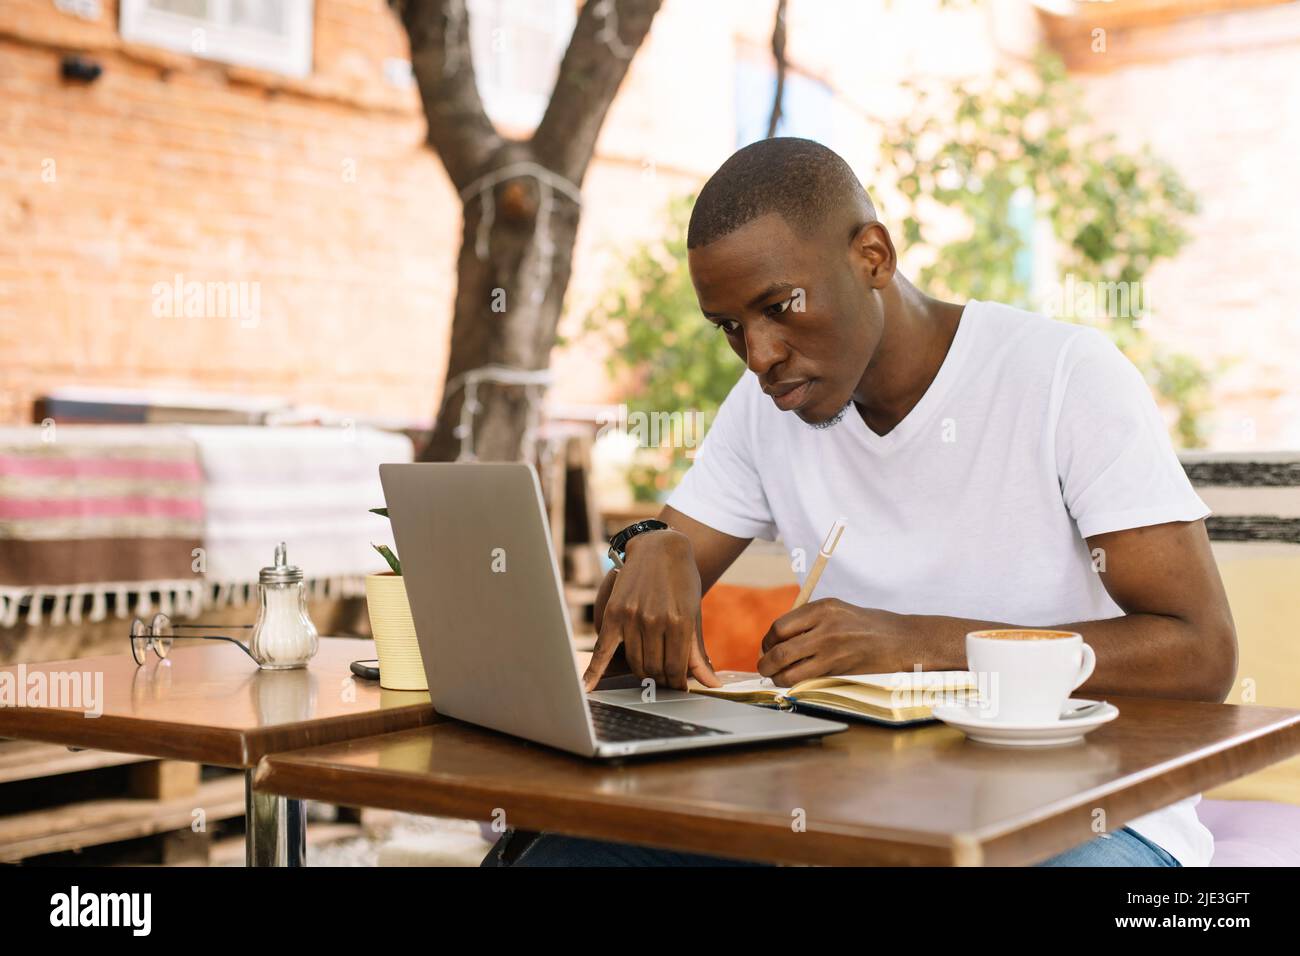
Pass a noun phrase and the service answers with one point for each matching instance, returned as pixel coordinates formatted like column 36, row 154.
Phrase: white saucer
column 1054, row 733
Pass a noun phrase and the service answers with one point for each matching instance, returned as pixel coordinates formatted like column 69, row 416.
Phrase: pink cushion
column 1252, row 832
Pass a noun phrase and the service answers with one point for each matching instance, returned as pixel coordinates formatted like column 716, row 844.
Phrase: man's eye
column 727, row 326
column 777, row 308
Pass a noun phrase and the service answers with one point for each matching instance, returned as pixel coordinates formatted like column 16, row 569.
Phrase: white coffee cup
column 1025, row 675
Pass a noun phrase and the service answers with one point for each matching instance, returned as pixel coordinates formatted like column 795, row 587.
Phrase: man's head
column 789, row 261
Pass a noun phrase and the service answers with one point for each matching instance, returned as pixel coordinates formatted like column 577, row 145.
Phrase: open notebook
column 902, row 698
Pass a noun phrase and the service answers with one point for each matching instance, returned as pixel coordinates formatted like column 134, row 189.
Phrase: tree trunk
column 507, row 308
column 518, row 233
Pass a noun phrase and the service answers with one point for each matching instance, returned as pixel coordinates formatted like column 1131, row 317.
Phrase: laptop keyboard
column 619, row 724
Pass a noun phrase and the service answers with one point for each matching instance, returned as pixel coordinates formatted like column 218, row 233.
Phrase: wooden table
column 871, row 795
column 208, row 703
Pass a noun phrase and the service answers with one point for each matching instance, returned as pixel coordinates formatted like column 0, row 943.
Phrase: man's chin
column 815, row 417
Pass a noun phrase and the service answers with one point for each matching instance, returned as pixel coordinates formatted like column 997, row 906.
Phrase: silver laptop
column 494, row 630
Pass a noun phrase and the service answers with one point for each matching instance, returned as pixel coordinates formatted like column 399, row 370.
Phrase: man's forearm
column 1140, row 655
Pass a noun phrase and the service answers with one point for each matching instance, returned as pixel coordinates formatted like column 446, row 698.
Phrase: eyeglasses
column 160, row 632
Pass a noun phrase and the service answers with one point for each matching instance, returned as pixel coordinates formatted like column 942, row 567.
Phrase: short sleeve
column 1114, row 459
column 722, row 488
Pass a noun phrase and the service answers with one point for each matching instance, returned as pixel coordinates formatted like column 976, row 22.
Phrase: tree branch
column 460, row 131
column 778, row 53
column 605, row 38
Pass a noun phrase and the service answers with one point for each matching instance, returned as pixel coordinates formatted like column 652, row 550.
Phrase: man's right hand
column 652, row 608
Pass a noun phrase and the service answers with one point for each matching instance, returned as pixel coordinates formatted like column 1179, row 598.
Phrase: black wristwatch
column 618, row 543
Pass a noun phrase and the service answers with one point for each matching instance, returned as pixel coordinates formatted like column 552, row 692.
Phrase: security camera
column 78, row 69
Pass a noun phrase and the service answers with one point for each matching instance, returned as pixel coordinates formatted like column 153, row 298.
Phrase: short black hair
column 804, row 182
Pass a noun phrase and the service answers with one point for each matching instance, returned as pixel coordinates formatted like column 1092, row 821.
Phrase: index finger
column 790, row 624
column 602, row 598
column 611, row 636
column 701, row 667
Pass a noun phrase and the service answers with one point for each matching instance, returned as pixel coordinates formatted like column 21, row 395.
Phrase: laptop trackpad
column 692, row 708
column 632, row 696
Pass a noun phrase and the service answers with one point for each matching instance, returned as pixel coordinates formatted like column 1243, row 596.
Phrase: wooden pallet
column 53, row 800
column 27, row 760
column 88, row 823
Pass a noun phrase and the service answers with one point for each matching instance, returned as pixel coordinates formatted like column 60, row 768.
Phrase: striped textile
column 90, row 511
column 1255, row 496
column 184, row 516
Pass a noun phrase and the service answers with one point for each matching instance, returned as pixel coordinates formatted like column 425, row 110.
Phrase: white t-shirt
column 1034, row 435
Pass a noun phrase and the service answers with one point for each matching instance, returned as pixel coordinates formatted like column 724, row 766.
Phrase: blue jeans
column 1125, row 848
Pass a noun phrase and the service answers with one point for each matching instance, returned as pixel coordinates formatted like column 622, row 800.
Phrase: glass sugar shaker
column 284, row 636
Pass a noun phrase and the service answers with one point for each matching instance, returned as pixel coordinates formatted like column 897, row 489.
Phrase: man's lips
column 791, row 395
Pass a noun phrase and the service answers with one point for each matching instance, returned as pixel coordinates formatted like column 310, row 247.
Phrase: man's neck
column 917, row 334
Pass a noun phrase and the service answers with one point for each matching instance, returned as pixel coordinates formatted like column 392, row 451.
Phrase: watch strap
column 618, row 543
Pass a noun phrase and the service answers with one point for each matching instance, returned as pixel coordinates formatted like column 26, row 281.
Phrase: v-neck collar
column 915, row 419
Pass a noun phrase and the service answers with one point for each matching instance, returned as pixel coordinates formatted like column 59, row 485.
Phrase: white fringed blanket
column 181, row 517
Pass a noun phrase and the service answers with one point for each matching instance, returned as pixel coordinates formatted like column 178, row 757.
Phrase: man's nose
column 762, row 351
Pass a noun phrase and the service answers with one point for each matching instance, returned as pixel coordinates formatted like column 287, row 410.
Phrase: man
column 997, row 468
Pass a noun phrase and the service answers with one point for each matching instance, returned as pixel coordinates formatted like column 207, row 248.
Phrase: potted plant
column 400, row 664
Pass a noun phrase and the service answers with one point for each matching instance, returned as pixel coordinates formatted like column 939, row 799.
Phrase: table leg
column 275, row 828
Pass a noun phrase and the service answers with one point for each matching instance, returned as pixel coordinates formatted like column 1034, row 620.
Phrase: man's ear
column 872, row 253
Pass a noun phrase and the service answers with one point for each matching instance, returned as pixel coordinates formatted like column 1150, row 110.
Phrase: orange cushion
column 736, row 618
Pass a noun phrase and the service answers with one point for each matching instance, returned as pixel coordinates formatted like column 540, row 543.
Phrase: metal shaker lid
column 281, row 572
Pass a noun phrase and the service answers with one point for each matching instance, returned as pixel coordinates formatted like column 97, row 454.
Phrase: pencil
column 824, row 555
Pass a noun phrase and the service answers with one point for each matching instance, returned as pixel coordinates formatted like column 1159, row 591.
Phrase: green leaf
column 386, row 553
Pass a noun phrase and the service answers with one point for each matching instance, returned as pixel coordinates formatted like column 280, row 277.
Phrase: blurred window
column 1022, row 214
column 806, row 104
column 517, row 49
column 274, row 35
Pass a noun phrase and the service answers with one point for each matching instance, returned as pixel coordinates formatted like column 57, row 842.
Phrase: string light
column 607, row 10
column 534, row 382
column 548, row 182
column 450, row 37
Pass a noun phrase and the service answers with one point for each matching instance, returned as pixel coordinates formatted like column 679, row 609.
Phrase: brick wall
column 320, row 191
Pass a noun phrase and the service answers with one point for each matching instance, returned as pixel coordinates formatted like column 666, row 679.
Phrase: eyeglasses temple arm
column 238, row 644
column 200, row 627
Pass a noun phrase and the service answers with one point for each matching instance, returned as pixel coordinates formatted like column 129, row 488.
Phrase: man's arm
column 1175, row 639
column 655, row 606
